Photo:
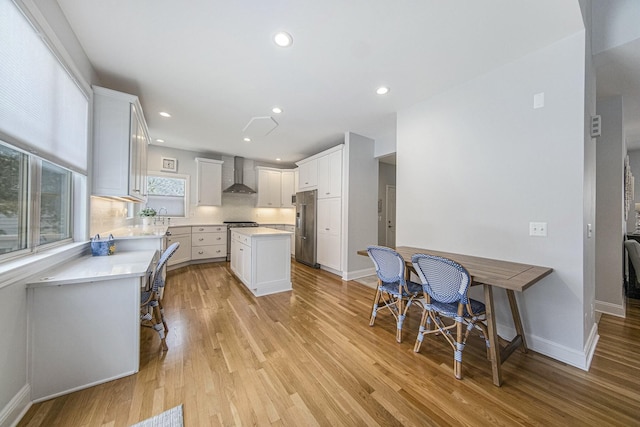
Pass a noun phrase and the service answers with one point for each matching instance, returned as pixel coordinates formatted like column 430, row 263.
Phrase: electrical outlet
column 538, row 229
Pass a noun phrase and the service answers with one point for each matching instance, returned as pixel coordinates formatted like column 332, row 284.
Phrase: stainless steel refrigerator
column 306, row 228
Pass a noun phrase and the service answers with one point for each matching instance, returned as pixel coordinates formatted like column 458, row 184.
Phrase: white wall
column 615, row 22
column 360, row 200
column 610, row 218
column 479, row 163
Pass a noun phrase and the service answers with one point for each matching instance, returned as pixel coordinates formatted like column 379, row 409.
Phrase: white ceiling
column 213, row 66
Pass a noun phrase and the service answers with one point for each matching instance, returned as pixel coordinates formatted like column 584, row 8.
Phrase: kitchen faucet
column 165, row 212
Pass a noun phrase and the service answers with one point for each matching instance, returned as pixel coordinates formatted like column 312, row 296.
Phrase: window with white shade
column 167, row 194
column 44, row 116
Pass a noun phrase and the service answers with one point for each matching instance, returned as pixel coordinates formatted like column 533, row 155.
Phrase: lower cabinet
column 183, row 236
column 197, row 243
column 208, row 241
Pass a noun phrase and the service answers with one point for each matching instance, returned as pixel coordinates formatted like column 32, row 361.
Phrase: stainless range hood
column 238, row 172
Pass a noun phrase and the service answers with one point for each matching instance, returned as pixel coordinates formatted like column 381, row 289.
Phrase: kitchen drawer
column 174, row 231
column 209, row 229
column 212, row 251
column 206, row 239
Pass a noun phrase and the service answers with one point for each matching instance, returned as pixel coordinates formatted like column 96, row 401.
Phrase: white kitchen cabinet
column 330, row 175
column 329, row 222
column 120, row 139
column 209, row 182
column 183, row 236
column 269, row 187
column 307, row 174
column 288, row 188
column 208, row 241
column 260, row 258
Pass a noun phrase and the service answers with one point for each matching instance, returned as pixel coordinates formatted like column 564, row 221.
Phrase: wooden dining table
column 492, row 273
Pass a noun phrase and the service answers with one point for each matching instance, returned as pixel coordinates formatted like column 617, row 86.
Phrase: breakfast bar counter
column 84, row 322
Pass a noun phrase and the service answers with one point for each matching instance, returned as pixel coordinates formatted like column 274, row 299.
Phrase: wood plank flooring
column 308, row 358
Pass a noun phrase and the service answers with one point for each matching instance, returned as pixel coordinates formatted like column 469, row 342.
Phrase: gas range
column 231, row 224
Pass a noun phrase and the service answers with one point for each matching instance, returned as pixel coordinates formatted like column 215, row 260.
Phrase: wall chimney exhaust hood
column 238, row 173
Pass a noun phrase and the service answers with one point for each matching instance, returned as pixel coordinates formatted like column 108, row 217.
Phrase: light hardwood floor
column 308, row 357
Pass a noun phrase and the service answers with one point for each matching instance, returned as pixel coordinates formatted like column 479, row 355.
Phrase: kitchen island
column 261, row 259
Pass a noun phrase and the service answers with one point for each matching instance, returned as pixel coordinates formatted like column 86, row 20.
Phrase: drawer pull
column 201, row 239
column 201, row 229
column 219, row 238
column 200, row 252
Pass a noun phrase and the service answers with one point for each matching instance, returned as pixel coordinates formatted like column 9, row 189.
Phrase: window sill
column 29, row 265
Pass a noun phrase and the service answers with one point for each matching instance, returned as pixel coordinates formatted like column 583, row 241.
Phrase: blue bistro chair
column 151, row 310
column 394, row 292
column 445, row 284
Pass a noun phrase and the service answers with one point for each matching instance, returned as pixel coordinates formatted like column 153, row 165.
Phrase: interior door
column 391, row 216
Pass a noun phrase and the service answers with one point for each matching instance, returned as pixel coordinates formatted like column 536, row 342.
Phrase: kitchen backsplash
column 108, row 215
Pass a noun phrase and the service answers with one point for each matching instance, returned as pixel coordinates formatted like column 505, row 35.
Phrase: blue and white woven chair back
column 443, row 279
column 158, row 280
column 389, row 264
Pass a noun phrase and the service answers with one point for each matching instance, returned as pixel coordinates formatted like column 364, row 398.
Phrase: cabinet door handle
column 200, row 252
column 327, row 229
column 201, row 229
column 219, row 238
column 328, row 193
column 201, row 239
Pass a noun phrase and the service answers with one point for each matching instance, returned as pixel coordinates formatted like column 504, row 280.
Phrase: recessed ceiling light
column 278, row 159
column 283, row 39
column 165, row 114
column 382, row 90
column 159, row 140
column 277, row 110
column 246, row 139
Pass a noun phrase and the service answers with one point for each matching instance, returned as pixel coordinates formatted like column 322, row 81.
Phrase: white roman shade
column 42, row 109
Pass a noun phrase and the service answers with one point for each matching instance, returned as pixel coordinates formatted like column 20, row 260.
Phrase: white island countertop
column 260, row 231
column 97, row 268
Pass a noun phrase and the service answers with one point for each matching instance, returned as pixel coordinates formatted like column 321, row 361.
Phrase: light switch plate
column 538, row 100
column 538, row 229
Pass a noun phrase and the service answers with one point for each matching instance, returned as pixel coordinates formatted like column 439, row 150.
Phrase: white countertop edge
column 97, row 268
column 260, row 231
column 136, row 232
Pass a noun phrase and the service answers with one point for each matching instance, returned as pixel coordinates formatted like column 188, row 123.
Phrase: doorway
column 390, row 239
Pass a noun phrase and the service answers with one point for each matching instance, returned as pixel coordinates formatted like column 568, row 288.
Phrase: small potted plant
column 147, row 214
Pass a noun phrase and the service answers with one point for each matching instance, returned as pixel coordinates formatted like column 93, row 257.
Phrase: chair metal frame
column 445, row 285
column 393, row 289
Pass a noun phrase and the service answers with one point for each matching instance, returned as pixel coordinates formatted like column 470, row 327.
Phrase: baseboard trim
column 578, row 358
column 16, row 408
column 353, row 275
column 612, row 309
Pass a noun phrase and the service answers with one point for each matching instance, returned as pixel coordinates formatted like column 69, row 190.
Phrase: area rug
column 170, row 418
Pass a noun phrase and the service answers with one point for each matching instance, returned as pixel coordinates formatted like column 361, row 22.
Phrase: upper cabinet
column 209, row 182
column 330, row 175
column 307, row 174
column 275, row 187
column 120, row 139
column 269, row 187
column 288, row 188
